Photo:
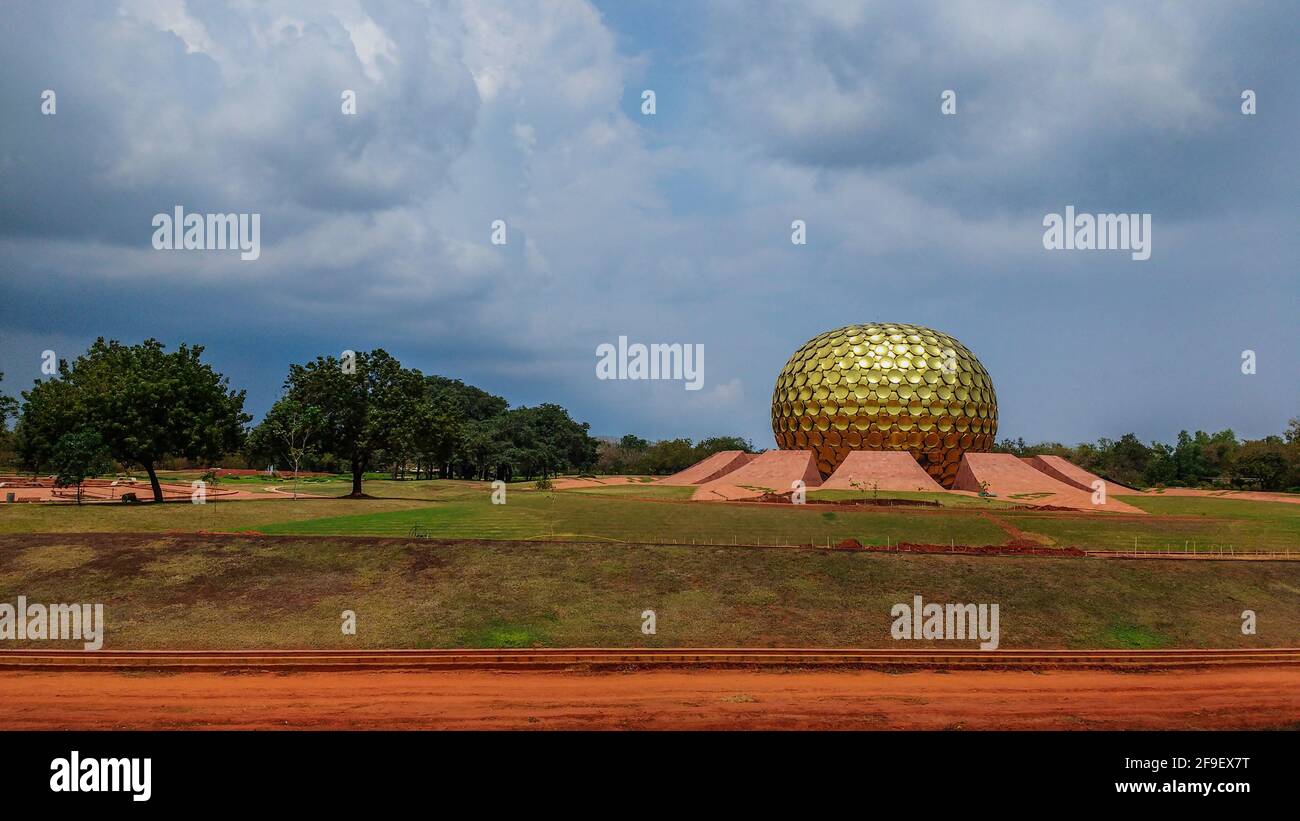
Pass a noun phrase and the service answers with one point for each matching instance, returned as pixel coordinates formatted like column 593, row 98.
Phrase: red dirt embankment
column 771, row 471
column 1071, row 474
column 27, row 489
column 1247, row 698
column 881, row 470
column 1011, row 479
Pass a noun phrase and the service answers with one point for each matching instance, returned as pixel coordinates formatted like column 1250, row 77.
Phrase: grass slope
column 210, row 592
column 1175, row 521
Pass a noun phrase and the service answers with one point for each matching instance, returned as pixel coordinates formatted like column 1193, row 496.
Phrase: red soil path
column 603, row 481
column 1239, row 698
column 26, row 489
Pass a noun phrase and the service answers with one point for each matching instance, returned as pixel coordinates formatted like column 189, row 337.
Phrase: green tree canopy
column 8, row 407
column 49, row 410
column 633, row 442
column 289, row 433
column 362, row 408
column 78, row 456
column 469, row 401
column 717, row 444
column 143, row 402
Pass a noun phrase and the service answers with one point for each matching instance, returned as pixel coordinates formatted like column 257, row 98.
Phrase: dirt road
column 1240, row 698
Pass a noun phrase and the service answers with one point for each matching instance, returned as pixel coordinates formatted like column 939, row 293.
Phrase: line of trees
column 637, row 456
column 371, row 413
column 140, row 405
column 1197, row 459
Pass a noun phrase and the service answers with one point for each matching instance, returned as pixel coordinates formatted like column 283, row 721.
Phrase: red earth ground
column 602, row 481
column 1237, row 698
column 26, row 489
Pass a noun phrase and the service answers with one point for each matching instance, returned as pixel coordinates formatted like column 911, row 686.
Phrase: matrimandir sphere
column 885, row 386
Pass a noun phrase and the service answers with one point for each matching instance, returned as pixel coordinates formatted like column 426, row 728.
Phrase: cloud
column 1050, row 98
column 672, row 228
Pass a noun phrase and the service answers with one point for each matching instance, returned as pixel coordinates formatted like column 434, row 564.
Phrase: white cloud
column 667, row 228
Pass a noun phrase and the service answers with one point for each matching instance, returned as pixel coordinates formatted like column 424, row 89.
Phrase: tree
column 145, row 404
column 1161, row 470
column 461, row 413
column 1189, row 460
column 1009, row 445
column 717, row 444
column 611, row 457
column 473, row 403
column 668, row 456
column 78, row 456
column 8, row 408
column 632, row 454
column 480, row 448
column 49, row 411
column 361, row 407
column 633, row 442
column 1127, row 461
column 288, row 432
column 408, row 413
column 545, row 440
column 1217, row 451
column 1264, row 462
column 434, row 429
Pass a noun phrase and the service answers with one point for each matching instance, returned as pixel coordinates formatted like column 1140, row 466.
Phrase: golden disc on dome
column 892, row 387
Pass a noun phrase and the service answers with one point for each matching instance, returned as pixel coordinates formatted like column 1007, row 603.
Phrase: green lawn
column 942, row 499
column 204, row 592
column 1176, row 521
column 660, row 513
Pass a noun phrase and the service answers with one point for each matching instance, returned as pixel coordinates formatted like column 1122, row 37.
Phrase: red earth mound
column 1066, row 471
column 773, row 471
column 881, row 470
column 1010, row 479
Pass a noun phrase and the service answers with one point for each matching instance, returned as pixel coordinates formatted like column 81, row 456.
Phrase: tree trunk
column 153, row 482
column 357, row 469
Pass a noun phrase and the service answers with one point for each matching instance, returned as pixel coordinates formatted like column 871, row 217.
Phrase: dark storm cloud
column 673, row 229
column 1138, row 105
column 252, row 123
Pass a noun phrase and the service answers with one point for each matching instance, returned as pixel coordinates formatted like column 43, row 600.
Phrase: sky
column 671, row 227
